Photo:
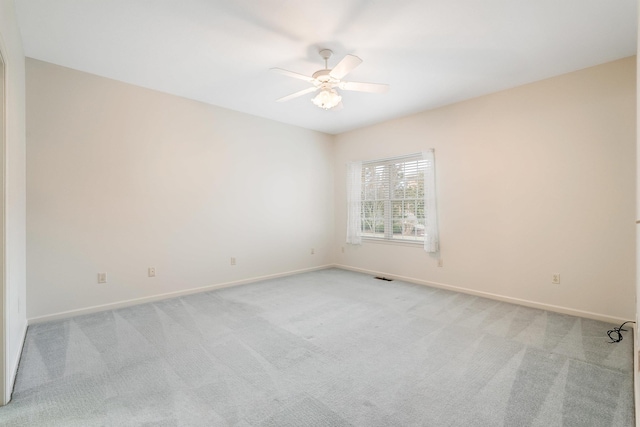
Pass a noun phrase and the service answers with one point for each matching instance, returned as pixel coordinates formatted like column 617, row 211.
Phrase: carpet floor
column 326, row 348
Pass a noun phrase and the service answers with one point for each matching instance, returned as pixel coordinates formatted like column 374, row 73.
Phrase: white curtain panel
column 431, row 237
column 354, row 195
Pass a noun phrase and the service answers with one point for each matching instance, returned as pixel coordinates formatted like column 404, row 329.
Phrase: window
column 393, row 199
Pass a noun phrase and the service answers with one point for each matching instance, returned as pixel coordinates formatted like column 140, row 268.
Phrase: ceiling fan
column 327, row 81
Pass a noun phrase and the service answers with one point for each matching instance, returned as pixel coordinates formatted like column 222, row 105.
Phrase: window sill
column 409, row 243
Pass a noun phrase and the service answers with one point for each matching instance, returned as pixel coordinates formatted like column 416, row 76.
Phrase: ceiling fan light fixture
column 327, row 99
column 326, row 81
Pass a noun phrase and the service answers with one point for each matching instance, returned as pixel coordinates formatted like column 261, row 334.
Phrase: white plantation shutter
column 431, row 234
column 354, row 194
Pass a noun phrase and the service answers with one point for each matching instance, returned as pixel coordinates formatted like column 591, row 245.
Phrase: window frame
column 416, row 166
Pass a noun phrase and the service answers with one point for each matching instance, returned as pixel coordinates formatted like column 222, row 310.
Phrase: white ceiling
column 431, row 52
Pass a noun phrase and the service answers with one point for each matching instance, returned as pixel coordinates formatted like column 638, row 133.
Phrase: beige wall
column 531, row 181
column 122, row 178
column 15, row 292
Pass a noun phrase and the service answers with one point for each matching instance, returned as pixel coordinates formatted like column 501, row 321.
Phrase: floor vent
column 385, row 279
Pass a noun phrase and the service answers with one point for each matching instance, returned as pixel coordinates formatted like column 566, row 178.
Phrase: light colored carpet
column 327, row 348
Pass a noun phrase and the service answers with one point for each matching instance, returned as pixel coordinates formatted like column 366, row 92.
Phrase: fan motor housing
column 322, row 75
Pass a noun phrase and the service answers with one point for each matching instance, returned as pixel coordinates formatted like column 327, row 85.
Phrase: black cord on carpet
column 615, row 335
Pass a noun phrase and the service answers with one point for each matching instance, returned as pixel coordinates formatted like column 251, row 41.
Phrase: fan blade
column 343, row 68
column 364, row 87
column 295, row 75
column 297, row 94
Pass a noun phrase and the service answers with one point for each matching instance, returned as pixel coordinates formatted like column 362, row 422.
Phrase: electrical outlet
column 102, row 277
column 440, row 263
column 152, row 272
column 313, row 251
column 233, row 261
column 555, row 278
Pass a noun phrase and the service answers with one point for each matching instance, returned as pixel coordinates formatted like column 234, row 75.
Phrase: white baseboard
column 152, row 298
column 159, row 297
column 527, row 303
